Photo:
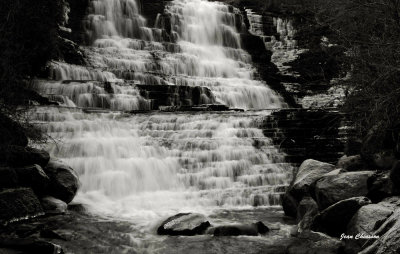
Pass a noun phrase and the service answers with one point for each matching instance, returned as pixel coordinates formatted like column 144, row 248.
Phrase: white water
column 147, row 166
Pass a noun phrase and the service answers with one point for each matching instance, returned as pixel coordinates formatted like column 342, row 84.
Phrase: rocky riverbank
column 354, row 201
column 32, row 184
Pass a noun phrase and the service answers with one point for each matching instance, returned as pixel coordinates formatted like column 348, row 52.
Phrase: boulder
column 18, row 204
column 334, row 219
column 309, row 242
column 309, row 171
column 241, row 229
column 11, row 132
column 306, row 211
column 33, row 176
column 365, row 221
column 333, row 188
column 289, row 205
column 184, row 224
column 389, row 237
column 351, row 163
column 395, row 175
column 64, row 182
column 53, row 205
column 384, row 159
column 18, row 156
column 8, row 178
column 380, row 186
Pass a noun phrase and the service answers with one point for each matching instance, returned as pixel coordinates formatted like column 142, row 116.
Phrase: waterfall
column 143, row 165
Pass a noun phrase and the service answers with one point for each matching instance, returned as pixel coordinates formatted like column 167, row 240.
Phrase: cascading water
column 146, row 166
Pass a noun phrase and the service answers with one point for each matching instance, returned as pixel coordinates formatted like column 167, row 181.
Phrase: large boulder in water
column 334, row 219
column 64, row 182
column 18, row 204
column 309, row 171
column 334, row 188
column 18, row 156
column 184, row 224
column 241, row 229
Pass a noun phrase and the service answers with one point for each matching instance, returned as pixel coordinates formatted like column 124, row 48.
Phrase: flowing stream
column 145, row 167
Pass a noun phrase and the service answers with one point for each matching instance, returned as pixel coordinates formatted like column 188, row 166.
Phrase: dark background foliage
column 28, row 39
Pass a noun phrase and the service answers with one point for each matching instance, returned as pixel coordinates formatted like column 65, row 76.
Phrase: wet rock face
column 17, row 204
column 334, row 188
column 64, row 182
column 184, row 224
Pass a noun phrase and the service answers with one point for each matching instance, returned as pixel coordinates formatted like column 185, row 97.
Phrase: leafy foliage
column 370, row 31
column 28, row 39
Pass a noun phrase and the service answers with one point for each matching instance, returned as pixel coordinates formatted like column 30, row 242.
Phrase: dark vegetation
column 28, row 39
column 369, row 32
column 364, row 38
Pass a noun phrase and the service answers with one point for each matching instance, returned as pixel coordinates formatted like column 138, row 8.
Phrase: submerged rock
column 241, row 229
column 64, row 182
column 18, row 204
column 184, row 224
column 334, row 188
column 334, row 219
column 53, row 205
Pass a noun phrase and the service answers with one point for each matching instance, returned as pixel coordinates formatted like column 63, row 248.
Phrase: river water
column 144, row 167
